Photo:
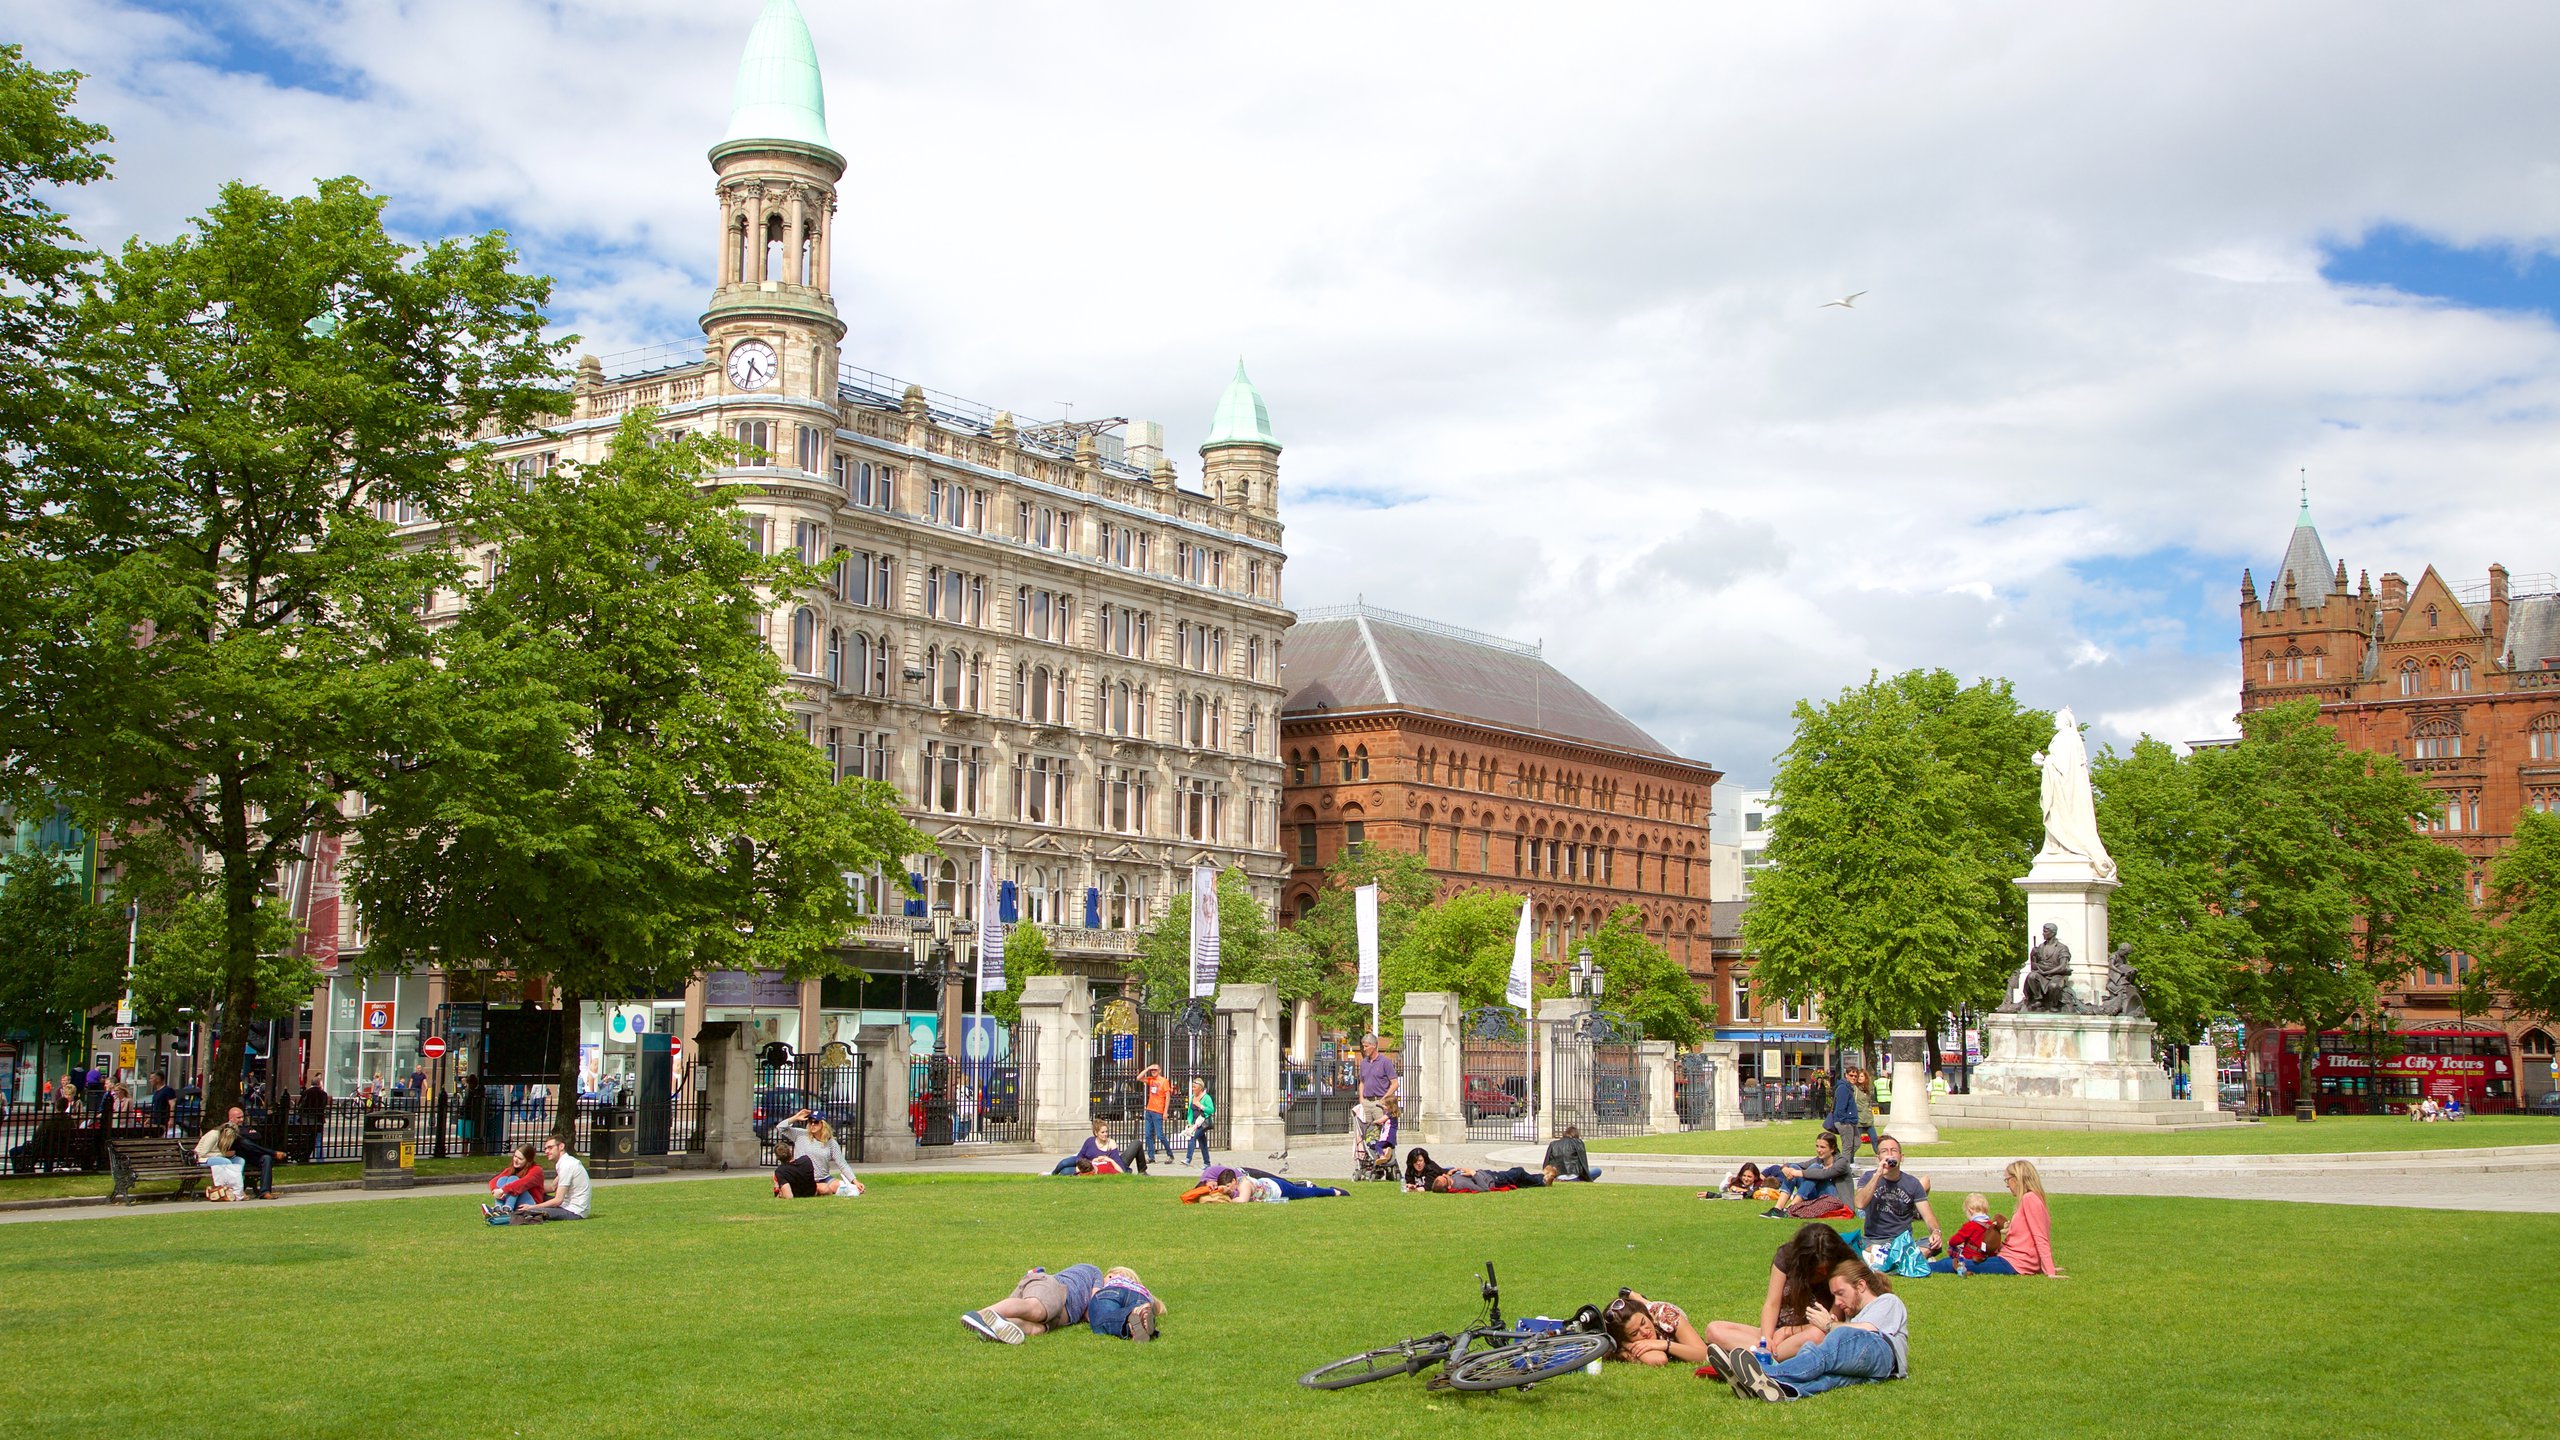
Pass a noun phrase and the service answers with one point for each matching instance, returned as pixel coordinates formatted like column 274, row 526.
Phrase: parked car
column 1118, row 1099
column 1000, row 1096
column 2546, row 1103
column 1483, row 1099
column 778, row 1103
column 1617, row 1097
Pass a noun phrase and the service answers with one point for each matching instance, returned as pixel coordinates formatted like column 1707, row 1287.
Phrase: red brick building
column 1476, row 753
column 2460, row 684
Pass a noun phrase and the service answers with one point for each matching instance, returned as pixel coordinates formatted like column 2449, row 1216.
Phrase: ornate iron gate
column 1498, row 1076
column 827, row 1084
column 1186, row 1043
column 1600, row 1084
column 1695, row 1099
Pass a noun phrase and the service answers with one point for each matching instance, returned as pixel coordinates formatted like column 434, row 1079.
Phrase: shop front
column 374, row 1026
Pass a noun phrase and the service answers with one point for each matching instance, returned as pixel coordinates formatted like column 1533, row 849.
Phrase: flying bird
column 1849, row 302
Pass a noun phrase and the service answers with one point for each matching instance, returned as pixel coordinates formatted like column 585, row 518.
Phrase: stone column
column 1249, row 1023
column 727, row 1071
column 1060, row 1010
column 809, row 1040
column 1433, row 1070
column 1661, row 1077
column 1724, row 1099
column 886, row 1137
column 1555, row 1109
column 2204, row 1074
column 1910, row 1122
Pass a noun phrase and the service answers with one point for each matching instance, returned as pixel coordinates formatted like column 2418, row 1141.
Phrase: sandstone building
column 1046, row 640
column 2459, row 684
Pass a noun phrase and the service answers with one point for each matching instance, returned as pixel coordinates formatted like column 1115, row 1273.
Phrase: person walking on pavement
column 1842, row 1122
column 1159, row 1098
column 1197, row 1112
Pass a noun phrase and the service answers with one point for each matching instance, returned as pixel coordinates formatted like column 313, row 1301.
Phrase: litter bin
column 610, row 1143
column 390, row 1150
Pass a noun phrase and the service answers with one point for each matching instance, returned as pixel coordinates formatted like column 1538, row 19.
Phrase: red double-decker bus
column 2362, row 1074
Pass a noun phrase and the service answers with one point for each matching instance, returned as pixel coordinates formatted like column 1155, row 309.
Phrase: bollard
column 390, row 1150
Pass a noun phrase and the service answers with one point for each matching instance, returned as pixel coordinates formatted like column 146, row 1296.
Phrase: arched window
column 738, row 251
column 2542, row 742
column 808, row 254
column 1364, row 762
column 1343, row 757
column 2458, row 680
column 804, row 639
column 1120, row 710
column 835, row 657
column 2408, row 677
column 773, row 248
column 1040, row 694
column 1297, row 768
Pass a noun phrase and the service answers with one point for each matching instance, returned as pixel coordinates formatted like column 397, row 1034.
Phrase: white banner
column 1517, row 992
column 990, row 927
column 1204, row 931
column 1364, row 905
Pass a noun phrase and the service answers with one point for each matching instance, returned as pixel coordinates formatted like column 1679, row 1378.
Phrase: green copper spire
column 780, row 95
column 1242, row 418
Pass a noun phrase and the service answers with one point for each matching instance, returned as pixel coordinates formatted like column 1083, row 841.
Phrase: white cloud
column 1547, row 282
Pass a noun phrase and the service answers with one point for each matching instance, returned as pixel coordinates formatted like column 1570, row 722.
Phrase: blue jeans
column 1292, row 1190
column 1155, row 1139
column 1846, row 1356
column 1987, row 1265
column 1199, row 1142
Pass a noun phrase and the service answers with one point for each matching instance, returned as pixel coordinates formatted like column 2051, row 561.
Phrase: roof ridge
column 1378, row 662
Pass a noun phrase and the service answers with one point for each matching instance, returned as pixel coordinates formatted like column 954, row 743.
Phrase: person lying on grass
column 1459, row 1180
column 1040, row 1302
column 1419, row 1169
column 1089, row 1156
column 1651, row 1332
column 1799, row 1276
column 1124, row 1308
column 1221, row 1177
column 1865, row 1336
column 1242, row 1189
column 1743, row 1184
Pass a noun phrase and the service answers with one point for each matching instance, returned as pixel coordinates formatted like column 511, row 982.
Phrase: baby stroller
column 1373, row 1141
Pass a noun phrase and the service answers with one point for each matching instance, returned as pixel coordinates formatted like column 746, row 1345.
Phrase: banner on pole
column 1204, row 931
column 990, row 926
column 1517, row 992
column 1364, row 905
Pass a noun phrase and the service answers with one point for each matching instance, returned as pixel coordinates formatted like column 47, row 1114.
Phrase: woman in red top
column 519, row 1184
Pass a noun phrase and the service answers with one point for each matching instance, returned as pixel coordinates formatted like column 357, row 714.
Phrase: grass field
column 47, row 1187
column 2328, row 1135
column 707, row 1308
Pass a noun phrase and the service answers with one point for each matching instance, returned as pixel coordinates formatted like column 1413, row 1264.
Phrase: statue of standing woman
column 2070, row 813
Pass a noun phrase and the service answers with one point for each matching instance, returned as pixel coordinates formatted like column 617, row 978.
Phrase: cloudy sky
column 1533, row 291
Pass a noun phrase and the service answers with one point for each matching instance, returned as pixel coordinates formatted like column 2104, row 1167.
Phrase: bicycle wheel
column 1528, row 1362
column 1402, row 1358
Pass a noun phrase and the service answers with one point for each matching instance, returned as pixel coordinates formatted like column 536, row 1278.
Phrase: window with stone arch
column 804, row 639
column 2408, row 677
column 738, row 251
column 1342, row 762
column 773, row 240
column 1362, row 755
column 2542, row 740
column 835, row 657
column 2458, row 678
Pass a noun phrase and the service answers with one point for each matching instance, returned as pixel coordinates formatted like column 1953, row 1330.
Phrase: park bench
column 151, row 1159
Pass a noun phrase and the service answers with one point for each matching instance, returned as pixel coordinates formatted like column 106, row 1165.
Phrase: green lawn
column 2328, row 1135
column 707, row 1308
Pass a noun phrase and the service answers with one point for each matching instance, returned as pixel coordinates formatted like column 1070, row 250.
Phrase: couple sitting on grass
column 1112, row 1302
column 809, row 1160
column 1831, row 1321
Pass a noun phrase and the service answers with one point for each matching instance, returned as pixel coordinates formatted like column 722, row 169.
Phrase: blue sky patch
column 242, row 44
column 2500, row 275
column 2176, row 598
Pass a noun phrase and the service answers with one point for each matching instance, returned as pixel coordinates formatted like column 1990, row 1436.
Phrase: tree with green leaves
column 1642, row 982
column 604, row 785
column 1250, row 951
column 43, row 146
column 180, row 975
column 205, row 630
column 2520, row 955
column 61, row 952
column 1327, row 937
column 1026, row 954
column 2169, row 833
column 1907, row 806
column 2337, row 891
column 1460, row 946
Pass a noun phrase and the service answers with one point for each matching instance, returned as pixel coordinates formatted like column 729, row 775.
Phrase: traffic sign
column 675, row 1044
column 124, row 1033
column 432, row 1047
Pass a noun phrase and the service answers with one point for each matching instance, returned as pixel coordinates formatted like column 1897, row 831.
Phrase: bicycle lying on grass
column 1512, row 1357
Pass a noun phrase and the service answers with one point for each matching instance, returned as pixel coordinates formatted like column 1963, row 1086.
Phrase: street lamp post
column 933, row 962
column 1585, row 978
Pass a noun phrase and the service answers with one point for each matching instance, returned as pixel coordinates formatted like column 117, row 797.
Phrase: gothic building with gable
column 2460, row 685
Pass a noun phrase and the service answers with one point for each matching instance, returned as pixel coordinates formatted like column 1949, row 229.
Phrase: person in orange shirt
column 1159, row 1096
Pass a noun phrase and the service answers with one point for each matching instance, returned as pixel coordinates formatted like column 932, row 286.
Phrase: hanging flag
column 1204, row 931
column 990, row 927
column 1517, row 992
column 1364, row 906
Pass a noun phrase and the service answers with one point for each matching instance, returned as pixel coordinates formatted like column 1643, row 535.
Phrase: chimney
column 2497, row 611
column 2395, row 598
column 1145, row 440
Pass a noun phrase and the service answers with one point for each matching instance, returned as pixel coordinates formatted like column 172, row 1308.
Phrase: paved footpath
column 2513, row 1178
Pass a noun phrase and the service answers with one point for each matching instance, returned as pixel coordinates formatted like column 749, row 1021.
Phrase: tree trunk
column 239, row 958
column 564, row 1123
column 2306, row 1078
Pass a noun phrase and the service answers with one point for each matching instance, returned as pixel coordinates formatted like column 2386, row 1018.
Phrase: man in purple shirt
column 1378, row 1077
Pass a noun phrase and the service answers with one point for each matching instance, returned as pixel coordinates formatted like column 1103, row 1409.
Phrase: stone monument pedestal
column 2067, row 1069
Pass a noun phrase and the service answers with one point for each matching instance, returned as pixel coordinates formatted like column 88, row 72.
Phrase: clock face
column 751, row 365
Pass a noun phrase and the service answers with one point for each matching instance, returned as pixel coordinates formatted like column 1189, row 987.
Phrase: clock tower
column 772, row 325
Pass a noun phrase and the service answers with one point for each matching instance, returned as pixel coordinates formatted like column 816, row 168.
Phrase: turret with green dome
column 1240, row 461
column 780, row 96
